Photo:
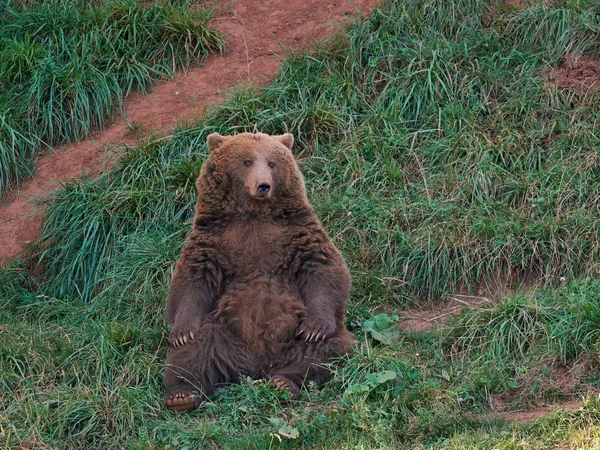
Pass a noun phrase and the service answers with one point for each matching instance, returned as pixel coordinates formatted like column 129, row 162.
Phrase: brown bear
column 259, row 290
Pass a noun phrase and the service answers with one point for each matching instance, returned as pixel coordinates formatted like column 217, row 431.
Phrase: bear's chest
column 254, row 246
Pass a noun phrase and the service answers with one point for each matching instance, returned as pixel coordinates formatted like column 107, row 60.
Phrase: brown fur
column 259, row 290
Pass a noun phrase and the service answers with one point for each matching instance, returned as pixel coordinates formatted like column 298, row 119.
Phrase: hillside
column 456, row 170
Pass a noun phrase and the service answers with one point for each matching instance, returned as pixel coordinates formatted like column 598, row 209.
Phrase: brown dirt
column 418, row 319
column 579, row 74
column 503, row 7
column 559, row 380
column 514, row 4
column 257, row 32
column 529, row 415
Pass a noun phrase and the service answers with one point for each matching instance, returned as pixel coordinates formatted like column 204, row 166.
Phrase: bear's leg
column 185, row 390
column 215, row 357
column 303, row 361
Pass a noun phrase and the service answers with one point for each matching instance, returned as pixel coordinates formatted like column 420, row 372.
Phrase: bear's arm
column 194, row 288
column 323, row 281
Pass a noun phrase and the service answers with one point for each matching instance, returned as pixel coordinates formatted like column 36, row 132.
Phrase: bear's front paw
column 316, row 329
column 181, row 335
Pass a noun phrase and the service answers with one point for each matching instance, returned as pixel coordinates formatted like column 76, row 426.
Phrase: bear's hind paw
column 182, row 401
column 285, row 384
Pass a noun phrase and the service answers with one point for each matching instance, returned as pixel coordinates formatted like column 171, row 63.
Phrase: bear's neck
column 225, row 210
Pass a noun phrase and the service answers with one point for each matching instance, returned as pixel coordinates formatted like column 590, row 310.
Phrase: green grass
column 566, row 27
column 559, row 325
column 75, row 375
column 67, row 65
column 459, row 162
column 573, row 430
column 440, row 159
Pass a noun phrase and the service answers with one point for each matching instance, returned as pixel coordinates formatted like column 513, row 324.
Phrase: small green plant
column 382, row 328
column 284, row 430
column 372, row 381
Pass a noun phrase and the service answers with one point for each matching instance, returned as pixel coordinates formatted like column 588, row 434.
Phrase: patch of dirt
column 529, row 415
column 418, row 319
column 561, row 386
column 504, row 7
column 514, row 4
column 258, row 33
column 578, row 73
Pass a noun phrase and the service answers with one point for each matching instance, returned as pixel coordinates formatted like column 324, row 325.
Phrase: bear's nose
column 263, row 187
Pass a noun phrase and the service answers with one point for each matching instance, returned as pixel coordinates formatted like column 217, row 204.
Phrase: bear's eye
column 271, row 164
column 248, row 163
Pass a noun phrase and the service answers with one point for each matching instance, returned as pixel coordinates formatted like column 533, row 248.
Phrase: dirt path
column 529, row 415
column 255, row 32
column 419, row 319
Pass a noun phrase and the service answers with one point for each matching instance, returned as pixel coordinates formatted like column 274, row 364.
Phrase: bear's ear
column 214, row 141
column 286, row 139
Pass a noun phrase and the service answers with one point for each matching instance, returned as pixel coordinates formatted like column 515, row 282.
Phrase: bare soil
column 258, row 33
column 578, row 73
column 418, row 319
column 529, row 415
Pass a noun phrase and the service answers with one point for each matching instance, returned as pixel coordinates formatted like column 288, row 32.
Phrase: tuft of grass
column 67, row 65
column 16, row 148
column 556, row 29
column 507, row 330
column 112, row 210
column 560, row 323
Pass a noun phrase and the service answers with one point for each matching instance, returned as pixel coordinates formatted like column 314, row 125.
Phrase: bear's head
column 251, row 172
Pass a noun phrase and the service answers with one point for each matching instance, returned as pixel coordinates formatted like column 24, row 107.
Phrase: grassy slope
column 67, row 65
column 439, row 158
column 89, row 376
column 459, row 162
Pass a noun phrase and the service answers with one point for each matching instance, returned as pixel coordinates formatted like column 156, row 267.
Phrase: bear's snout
column 259, row 178
column 263, row 188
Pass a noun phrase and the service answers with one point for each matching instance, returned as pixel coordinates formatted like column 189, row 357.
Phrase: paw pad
column 181, row 401
column 283, row 384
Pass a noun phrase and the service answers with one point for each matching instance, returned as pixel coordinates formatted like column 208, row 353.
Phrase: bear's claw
column 316, row 330
column 182, row 401
column 183, row 339
column 284, row 384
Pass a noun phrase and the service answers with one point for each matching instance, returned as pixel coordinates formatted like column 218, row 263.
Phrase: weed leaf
column 381, row 377
column 288, row 432
column 358, row 388
column 278, row 422
column 382, row 328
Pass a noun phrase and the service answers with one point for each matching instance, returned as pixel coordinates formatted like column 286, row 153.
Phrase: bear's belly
column 263, row 313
